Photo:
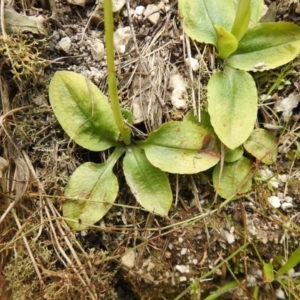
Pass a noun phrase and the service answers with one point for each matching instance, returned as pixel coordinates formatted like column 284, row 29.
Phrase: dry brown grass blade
column 56, row 223
column 18, row 179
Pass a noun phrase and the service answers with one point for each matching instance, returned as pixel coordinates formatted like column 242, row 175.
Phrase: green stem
column 112, row 80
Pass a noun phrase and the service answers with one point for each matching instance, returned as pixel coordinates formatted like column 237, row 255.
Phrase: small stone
column 229, row 237
column 288, row 199
column 258, row 273
column 274, row 201
column 182, row 268
column 118, row 4
column 64, row 44
column 251, row 278
column 182, row 278
column 83, row 233
column 122, row 37
column 286, row 206
column 177, row 97
column 128, row 259
column 97, row 49
column 162, row 6
column 183, row 251
column 139, row 10
column 193, row 63
column 150, row 266
column 152, row 13
column 280, row 295
column 78, row 2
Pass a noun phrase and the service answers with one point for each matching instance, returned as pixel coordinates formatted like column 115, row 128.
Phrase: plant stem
column 112, row 80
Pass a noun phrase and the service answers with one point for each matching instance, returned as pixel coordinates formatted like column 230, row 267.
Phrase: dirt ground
column 131, row 254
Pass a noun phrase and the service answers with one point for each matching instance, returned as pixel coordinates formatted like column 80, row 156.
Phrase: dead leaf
column 17, row 23
column 287, row 105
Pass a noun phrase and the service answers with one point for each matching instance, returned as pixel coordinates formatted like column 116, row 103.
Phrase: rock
column 64, row 44
column 78, row 2
column 152, row 13
column 286, row 206
column 182, row 268
column 274, row 201
column 193, row 63
column 122, row 37
column 97, row 49
column 227, row 236
column 139, row 10
column 128, row 259
column 118, row 4
column 177, row 97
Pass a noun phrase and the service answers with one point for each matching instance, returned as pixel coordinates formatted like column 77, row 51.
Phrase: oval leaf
column 234, row 155
column 234, row 179
column 200, row 16
column 266, row 46
column 205, row 120
column 262, row 145
column 182, row 148
column 96, row 187
column 83, row 111
column 227, row 42
column 232, row 105
column 149, row 185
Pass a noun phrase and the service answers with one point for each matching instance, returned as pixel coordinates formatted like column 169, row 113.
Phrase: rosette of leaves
column 86, row 116
column 243, row 44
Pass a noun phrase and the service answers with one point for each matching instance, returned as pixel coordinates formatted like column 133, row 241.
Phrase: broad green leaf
column 227, row 42
column 200, row 16
column 232, row 105
column 205, row 120
column 266, row 46
column 242, row 19
column 83, row 111
column 268, row 272
column 262, row 145
column 233, row 155
column 95, row 188
column 292, row 262
column 182, row 148
column 149, row 185
column 235, row 179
